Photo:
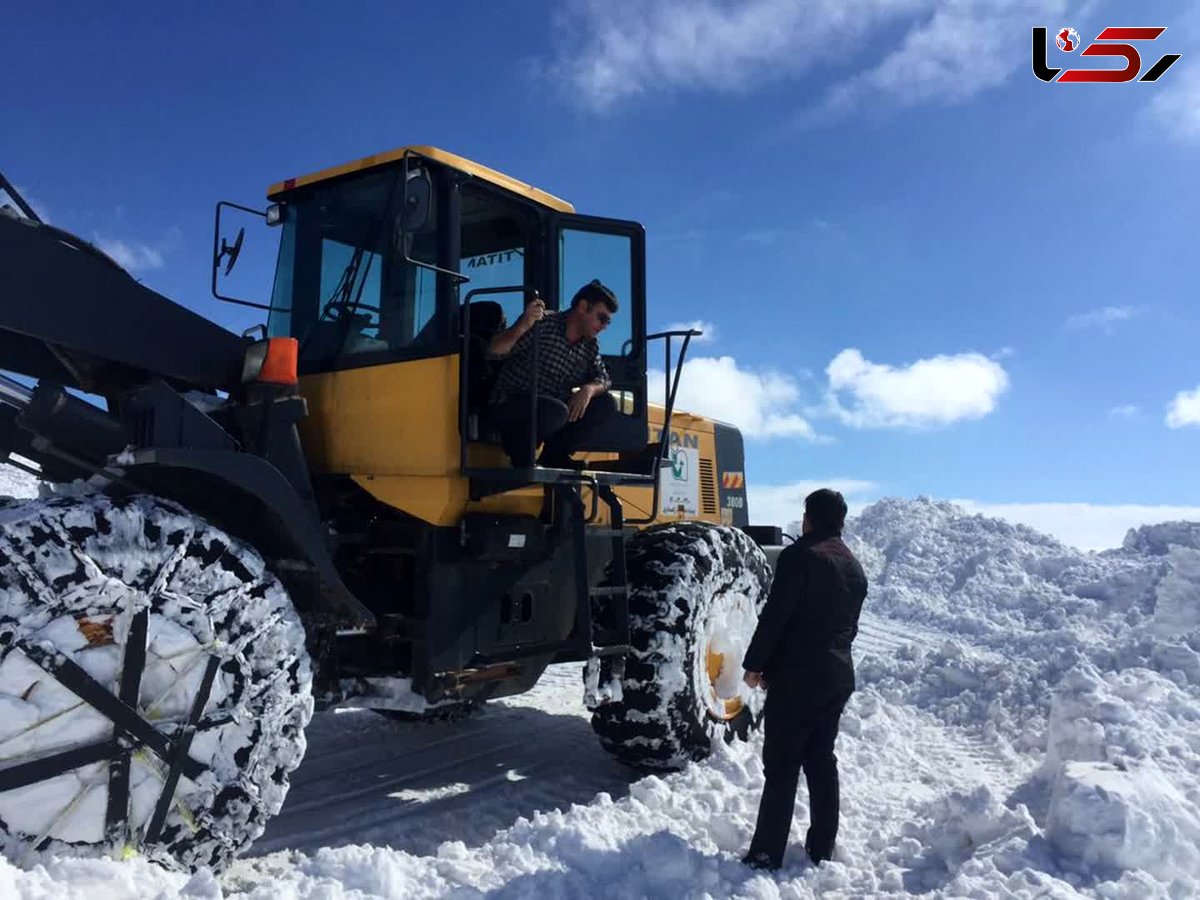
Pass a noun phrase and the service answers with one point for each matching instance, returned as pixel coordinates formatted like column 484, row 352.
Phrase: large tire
column 695, row 594
column 84, row 583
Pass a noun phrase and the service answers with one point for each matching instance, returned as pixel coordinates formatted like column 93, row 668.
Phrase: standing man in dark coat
column 801, row 654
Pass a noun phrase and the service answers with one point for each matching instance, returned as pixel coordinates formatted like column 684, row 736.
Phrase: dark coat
column 802, row 643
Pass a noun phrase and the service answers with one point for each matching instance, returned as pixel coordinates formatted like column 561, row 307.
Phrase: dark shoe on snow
column 759, row 861
column 818, row 857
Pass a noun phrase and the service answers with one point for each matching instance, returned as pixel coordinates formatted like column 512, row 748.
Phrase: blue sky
column 922, row 271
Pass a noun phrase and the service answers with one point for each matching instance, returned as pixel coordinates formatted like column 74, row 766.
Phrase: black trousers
column 798, row 738
column 560, row 438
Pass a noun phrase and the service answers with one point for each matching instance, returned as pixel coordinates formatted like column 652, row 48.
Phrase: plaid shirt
column 562, row 366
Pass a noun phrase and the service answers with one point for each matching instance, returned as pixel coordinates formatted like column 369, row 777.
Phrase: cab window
column 584, row 255
column 342, row 287
column 494, row 248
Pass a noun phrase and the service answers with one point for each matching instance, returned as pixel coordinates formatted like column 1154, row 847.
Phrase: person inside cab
column 573, row 404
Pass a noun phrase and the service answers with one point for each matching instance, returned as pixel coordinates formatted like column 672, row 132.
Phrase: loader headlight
column 274, row 213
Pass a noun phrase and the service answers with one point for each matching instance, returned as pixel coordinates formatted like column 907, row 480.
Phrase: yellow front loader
column 319, row 510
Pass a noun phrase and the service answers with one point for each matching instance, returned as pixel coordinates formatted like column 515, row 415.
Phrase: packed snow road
column 367, row 778
column 525, row 777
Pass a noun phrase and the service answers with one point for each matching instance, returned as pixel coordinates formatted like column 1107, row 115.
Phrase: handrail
column 464, row 365
column 670, row 388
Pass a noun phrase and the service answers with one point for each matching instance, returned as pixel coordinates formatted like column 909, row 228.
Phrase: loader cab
column 340, row 288
column 421, row 255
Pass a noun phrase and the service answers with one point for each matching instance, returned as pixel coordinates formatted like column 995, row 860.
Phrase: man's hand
column 534, row 310
column 755, row 679
column 502, row 343
column 579, row 401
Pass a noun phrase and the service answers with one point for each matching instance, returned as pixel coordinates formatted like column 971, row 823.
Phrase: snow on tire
column 695, row 594
column 85, row 582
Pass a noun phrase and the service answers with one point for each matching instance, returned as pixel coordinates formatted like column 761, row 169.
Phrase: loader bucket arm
column 70, row 315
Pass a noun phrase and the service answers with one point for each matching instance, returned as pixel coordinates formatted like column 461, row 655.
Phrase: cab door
column 614, row 251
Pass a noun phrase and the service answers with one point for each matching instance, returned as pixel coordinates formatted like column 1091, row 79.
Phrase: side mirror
column 418, row 194
column 232, row 252
column 416, row 217
column 225, row 254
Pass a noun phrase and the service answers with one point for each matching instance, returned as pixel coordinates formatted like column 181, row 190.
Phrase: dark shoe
column 759, row 861
column 818, row 857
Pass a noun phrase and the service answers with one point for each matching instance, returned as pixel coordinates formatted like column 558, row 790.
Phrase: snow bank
column 1088, row 662
column 1109, row 819
column 1121, row 762
column 1016, row 611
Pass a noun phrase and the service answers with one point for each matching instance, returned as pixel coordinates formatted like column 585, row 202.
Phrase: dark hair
column 487, row 317
column 595, row 292
column 826, row 510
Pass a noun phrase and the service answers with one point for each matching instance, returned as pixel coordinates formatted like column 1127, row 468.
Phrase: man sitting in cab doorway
column 573, row 404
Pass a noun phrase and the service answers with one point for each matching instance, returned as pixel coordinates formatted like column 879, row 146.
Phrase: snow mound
column 1108, row 818
column 1157, row 540
column 1089, row 662
column 1026, row 596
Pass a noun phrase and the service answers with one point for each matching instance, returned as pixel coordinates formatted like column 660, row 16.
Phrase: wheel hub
column 724, row 702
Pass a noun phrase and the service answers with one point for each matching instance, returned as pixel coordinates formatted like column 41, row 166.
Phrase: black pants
column 794, row 742
column 560, row 437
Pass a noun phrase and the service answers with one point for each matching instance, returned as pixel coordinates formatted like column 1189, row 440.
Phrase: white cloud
column 1127, row 411
column 929, row 392
column 1104, row 318
column 1088, row 526
column 617, row 49
column 760, row 404
column 132, row 255
column 1184, row 409
column 963, row 48
column 783, row 504
column 613, row 50
column 708, row 332
column 1176, row 102
column 138, row 256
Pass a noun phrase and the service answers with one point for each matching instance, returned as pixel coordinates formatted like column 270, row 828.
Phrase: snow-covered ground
column 17, row 483
column 1027, row 724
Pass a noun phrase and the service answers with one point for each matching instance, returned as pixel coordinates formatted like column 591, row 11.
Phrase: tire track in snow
column 915, row 791
column 877, row 634
column 415, row 785
column 955, row 749
column 881, row 635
